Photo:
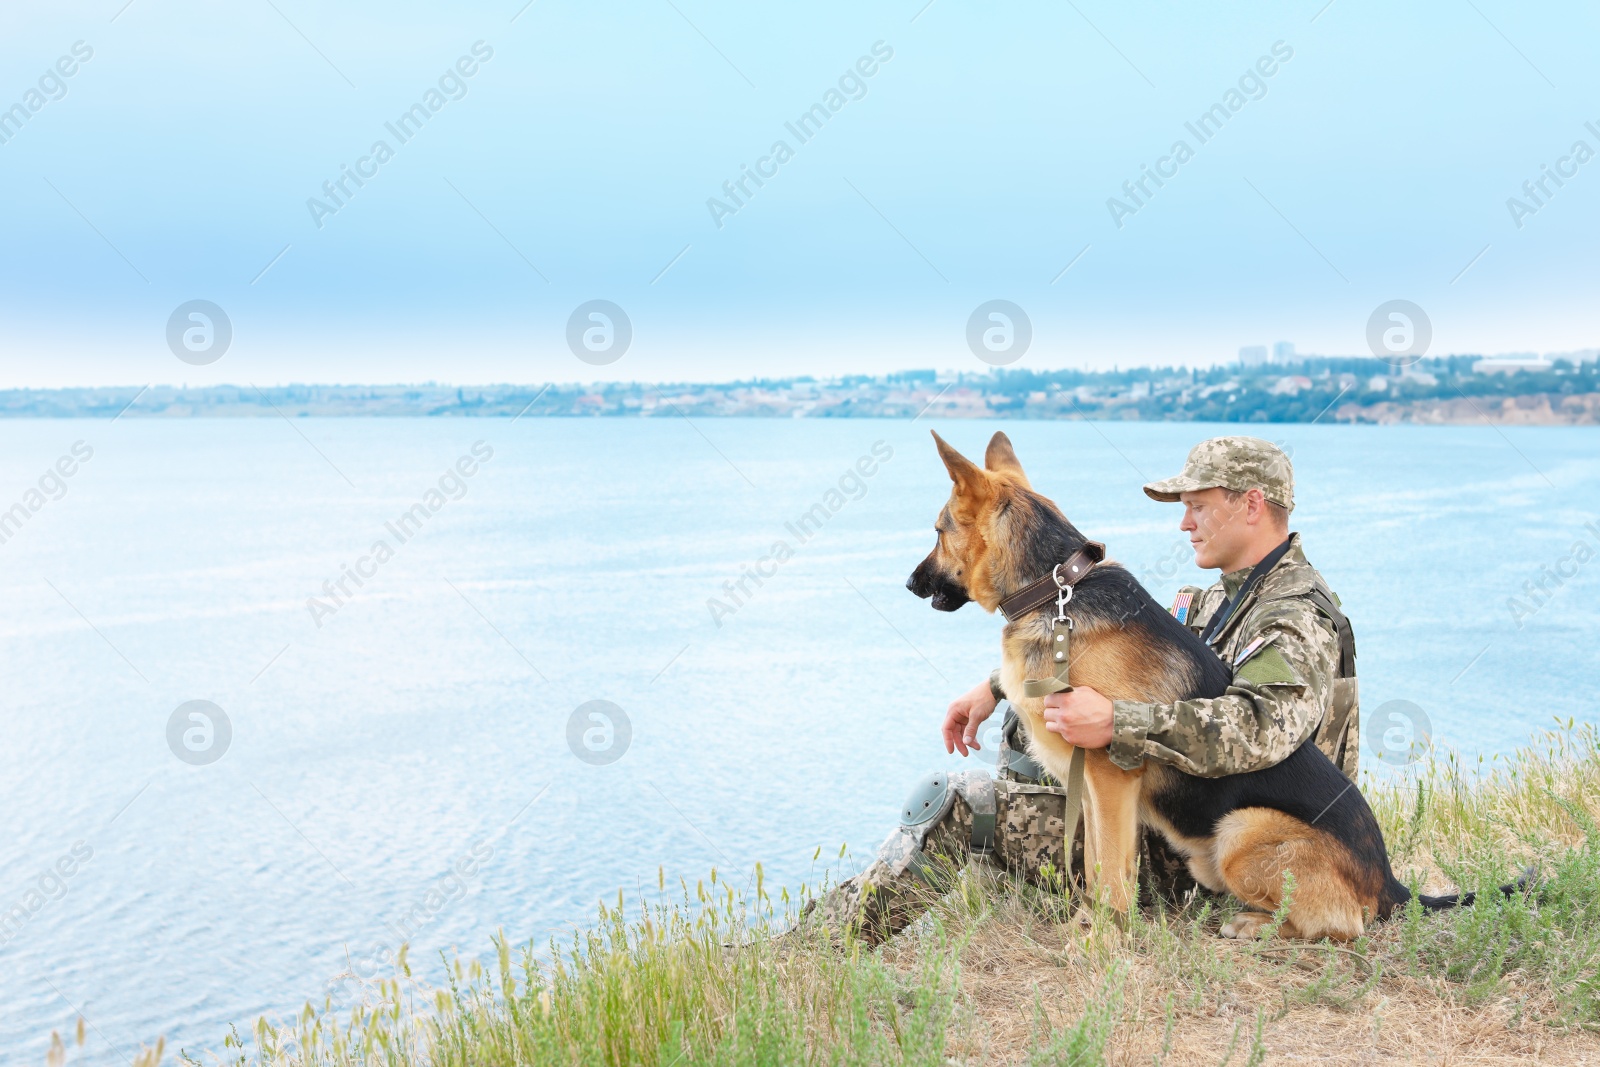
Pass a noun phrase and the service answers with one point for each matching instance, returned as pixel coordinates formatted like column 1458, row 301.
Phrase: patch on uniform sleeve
column 1180, row 607
column 1251, row 649
column 1262, row 664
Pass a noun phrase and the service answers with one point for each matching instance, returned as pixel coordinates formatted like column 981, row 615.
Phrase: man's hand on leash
column 965, row 714
column 1082, row 717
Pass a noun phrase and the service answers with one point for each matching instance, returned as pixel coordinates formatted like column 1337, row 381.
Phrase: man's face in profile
column 1216, row 526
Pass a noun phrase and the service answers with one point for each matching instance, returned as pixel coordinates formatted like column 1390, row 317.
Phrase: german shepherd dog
column 1241, row 833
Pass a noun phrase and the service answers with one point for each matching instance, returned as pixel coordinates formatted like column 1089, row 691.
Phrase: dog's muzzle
column 932, row 586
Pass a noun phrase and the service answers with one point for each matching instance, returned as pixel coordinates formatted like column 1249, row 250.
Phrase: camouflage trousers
column 1029, row 841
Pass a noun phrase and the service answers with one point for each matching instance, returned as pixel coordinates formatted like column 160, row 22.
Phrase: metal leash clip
column 1063, row 596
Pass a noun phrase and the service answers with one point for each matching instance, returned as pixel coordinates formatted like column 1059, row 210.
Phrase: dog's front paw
column 1246, row 925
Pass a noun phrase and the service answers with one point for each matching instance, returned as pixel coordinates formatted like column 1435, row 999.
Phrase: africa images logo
column 451, row 85
column 51, row 86
column 852, row 485
column 199, row 732
column 1252, row 85
column 199, row 332
column 452, row 485
column 52, row 485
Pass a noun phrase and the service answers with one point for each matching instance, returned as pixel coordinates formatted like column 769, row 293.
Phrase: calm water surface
column 400, row 757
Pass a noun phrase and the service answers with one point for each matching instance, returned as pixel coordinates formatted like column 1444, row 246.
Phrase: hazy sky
column 1358, row 152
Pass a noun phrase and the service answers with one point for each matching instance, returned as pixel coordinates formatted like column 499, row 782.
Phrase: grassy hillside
column 1002, row 973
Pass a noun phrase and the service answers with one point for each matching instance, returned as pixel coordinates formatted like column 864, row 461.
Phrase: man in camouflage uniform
column 1271, row 617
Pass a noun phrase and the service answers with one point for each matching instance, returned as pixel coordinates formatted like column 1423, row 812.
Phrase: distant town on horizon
column 1264, row 385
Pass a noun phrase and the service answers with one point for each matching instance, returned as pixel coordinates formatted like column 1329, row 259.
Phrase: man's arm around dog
column 1280, row 695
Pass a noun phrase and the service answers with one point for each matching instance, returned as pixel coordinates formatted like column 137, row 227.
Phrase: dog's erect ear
column 1002, row 458
column 972, row 484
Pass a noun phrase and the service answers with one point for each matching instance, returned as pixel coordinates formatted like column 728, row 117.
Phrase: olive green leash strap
column 1074, row 811
column 1060, row 643
column 1060, row 655
column 1038, row 594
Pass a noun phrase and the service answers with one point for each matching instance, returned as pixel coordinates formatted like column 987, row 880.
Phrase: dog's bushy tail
column 1528, row 879
column 1446, row 901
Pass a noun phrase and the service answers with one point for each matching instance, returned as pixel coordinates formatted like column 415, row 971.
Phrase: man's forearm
column 1243, row 730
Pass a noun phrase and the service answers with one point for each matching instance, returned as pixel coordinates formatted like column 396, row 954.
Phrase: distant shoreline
column 1500, row 413
column 1447, row 391
column 1529, row 410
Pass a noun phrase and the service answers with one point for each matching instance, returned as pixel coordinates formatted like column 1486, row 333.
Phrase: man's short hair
column 1279, row 513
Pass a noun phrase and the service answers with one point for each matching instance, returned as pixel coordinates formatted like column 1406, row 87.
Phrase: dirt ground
column 1317, row 1007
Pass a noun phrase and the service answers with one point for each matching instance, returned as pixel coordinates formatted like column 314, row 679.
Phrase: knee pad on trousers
column 930, row 801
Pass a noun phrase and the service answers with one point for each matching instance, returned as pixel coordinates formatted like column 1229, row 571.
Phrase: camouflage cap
column 1237, row 463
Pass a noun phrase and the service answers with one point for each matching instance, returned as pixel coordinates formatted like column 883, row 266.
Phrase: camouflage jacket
column 1285, row 654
